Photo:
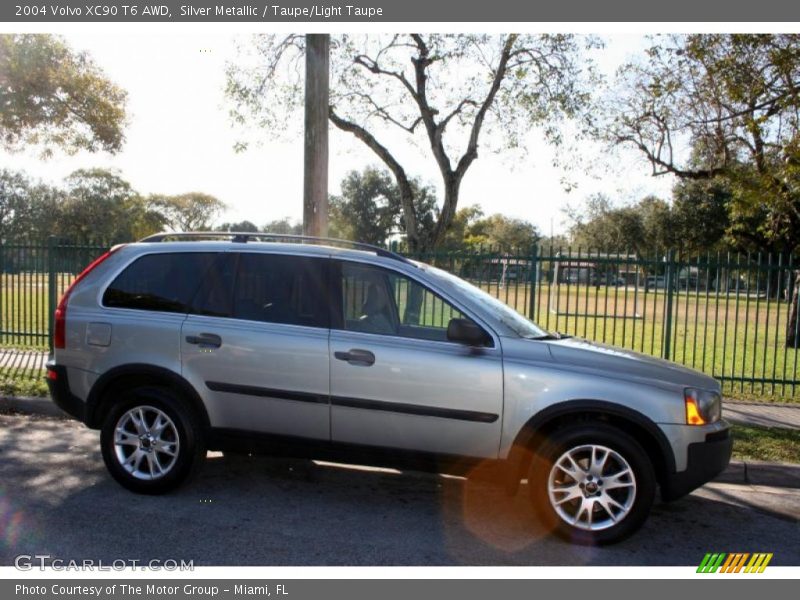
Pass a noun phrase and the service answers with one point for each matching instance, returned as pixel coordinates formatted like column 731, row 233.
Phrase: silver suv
column 183, row 343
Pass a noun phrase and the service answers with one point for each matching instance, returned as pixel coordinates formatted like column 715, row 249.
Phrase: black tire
column 183, row 427
column 577, row 440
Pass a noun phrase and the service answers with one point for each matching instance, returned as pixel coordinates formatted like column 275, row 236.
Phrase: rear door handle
column 205, row 340
column 363, row 358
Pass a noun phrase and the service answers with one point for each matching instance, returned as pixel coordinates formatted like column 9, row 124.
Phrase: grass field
column 766, row 443
column 738, row 338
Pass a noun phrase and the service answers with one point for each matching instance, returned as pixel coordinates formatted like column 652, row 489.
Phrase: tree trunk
column 792, row 333
column 451, row 190
column 315, row 177
column 410, row 223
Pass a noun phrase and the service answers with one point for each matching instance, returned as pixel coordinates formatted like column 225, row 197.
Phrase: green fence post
column 532, row 280
column 668, row 282
column 52, row 292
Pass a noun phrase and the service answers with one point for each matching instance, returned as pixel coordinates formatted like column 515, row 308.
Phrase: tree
column 56, row 98
column 444, row 89
column 246, row 226
column 554, row 243
column 39, row 212
column 93, row 205
column 14, row 198
column 604, row 227
column 506, row 232
column 99, row 205
column 193, row 211
column 368, row 208
column 643, row 227
column 701, row 216
column 471, row 229
column 283, row 226
column 703, row 107
column 458, row 235
column 658, row 226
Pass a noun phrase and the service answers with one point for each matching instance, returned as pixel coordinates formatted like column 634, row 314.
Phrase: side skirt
column 235, row 440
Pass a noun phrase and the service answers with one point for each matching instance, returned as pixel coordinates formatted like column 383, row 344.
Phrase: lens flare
column 15, row 527
column 481, row 504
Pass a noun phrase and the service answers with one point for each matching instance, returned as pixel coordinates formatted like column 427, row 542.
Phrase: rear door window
column 160, row 282
column 275, row 288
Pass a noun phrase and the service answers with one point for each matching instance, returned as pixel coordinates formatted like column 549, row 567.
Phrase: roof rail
column 242, row 237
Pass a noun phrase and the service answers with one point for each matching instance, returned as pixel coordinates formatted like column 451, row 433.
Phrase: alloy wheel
column 146, row 442
column 591, row 487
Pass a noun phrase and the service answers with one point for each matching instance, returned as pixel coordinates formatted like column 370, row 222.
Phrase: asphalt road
column 56, row 498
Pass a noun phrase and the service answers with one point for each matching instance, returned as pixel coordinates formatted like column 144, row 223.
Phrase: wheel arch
column 130, row 375
column 641, row 428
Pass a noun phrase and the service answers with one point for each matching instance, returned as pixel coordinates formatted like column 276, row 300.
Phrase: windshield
column 511, row 318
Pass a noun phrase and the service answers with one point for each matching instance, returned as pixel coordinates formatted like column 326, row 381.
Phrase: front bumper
column 705, row 460
column 58, row 385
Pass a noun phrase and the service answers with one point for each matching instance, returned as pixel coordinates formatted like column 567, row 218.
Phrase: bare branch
column 382, row 112
column 472, row 148
column 668, row 166
column 373, row 67
column 456, row 111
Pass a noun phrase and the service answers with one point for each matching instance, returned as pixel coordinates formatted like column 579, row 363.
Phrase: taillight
column 60, row 328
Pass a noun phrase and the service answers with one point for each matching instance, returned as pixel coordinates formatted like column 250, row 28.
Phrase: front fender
column 531, row 389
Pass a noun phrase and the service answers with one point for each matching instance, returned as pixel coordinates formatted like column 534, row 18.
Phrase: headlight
column 702, row 406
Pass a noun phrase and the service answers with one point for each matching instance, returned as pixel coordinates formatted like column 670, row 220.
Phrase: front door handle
column 205, row 340
column 363, row 358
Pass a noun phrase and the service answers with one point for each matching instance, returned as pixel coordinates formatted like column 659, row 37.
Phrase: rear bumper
column 59, row 392
column 705, row 460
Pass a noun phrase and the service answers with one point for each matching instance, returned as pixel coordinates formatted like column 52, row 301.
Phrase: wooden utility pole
column 315, row 178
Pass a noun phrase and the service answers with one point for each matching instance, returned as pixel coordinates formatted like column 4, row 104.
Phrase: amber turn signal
column 693, row 416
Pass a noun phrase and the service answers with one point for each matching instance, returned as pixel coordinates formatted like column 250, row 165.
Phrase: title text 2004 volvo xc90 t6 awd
column 349, row 352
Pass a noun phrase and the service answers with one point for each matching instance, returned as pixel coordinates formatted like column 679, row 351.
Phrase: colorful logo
column 735, row 562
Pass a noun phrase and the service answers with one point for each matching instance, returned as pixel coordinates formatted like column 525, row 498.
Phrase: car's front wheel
column 592, row 483
column 151, row 440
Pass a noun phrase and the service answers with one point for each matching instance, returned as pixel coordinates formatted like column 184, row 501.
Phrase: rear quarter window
column 160, row 282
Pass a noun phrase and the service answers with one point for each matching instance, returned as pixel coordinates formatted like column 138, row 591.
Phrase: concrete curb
column 755, row 472
column 786, row 475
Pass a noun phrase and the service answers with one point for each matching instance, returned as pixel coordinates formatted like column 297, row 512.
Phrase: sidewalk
column 765, row 415
column 22, row 360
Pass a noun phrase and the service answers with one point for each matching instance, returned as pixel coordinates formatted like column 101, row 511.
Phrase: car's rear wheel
column 592, row 483
column 151, row 440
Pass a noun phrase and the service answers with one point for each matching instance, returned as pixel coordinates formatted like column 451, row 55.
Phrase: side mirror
column 466, row 332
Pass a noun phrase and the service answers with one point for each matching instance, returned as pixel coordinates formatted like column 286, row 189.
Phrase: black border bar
column 386, row 11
